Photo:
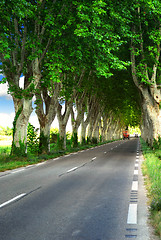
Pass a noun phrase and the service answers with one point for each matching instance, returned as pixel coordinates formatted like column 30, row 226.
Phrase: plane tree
column 142, row 23
column 145, row 58
column 26, row 32
column 84, row 44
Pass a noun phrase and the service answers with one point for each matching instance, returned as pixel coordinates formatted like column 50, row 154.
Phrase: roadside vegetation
column 33, row 156
column 152, row 172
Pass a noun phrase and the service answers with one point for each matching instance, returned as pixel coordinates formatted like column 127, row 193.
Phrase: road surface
column 94, row 194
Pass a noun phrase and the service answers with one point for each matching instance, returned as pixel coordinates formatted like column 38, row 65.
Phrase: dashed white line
column 136, row 172
column 72, row 169
column 134, row 186
column 93, row 158
column 132, row 214
column 12, row 200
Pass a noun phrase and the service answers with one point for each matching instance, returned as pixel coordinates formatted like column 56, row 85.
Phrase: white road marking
column 72, row 169
column 134, row 186
column 55, row 159
column 12, row 200
column 104, row 152
column 136, row 172
column 137, row 157
column 94, row 158
column 39, row 164
column 136, row 165
column 16, row 171
column 132, row 214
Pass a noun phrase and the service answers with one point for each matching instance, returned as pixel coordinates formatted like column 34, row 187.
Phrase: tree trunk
column 150, row 94
column 95, row 133
column 76, row 121
column 44, row 141
column 151, row 118
column 46, row 116
column 63, row 119
column 84, row 125
column 62, row 136
column 23, row 111
column 109, row 129
column 104, row 128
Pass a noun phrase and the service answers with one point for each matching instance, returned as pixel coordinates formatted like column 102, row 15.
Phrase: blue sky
column 6, row 106
column 7, row 110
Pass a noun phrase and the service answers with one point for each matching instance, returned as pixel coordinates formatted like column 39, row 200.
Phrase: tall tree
column 25, row 37
column 145, row 58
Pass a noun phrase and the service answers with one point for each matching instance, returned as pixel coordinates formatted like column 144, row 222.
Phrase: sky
column 7, row 110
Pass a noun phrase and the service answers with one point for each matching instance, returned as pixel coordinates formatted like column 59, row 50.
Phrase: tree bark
column 46, row 116
column 76, row 121
column 150, row 94
column 23, row 110
column 63, row 119
column 150, row 100
column 151, row 117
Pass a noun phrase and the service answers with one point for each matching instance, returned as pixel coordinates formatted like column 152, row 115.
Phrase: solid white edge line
column 39, row 164
column 12, row 200
column 16, row 171
column 132, row 214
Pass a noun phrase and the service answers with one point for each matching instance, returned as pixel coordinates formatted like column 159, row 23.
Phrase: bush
column 54, row 135
column 94, row 140
column 32, row 139
column 157, row 143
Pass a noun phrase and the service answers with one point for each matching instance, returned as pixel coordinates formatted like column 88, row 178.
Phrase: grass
column 152, row 171
column 8, row 162
column 5, row 150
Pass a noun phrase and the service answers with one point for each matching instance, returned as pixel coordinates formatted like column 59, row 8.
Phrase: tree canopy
column 74, row 51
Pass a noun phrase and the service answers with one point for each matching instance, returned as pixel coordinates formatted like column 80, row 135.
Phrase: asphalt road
column 95, row 194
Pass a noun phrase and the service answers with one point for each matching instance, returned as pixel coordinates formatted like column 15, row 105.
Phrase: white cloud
column 6, row 120
column 34, row 120
column 3, row 90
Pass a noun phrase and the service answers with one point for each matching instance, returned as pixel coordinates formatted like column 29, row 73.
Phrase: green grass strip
column 152, row 171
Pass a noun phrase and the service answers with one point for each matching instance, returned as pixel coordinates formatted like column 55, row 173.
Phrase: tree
column 145, row 58
column 25, row 38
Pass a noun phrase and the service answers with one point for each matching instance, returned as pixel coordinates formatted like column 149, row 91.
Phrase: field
column 5, row 140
